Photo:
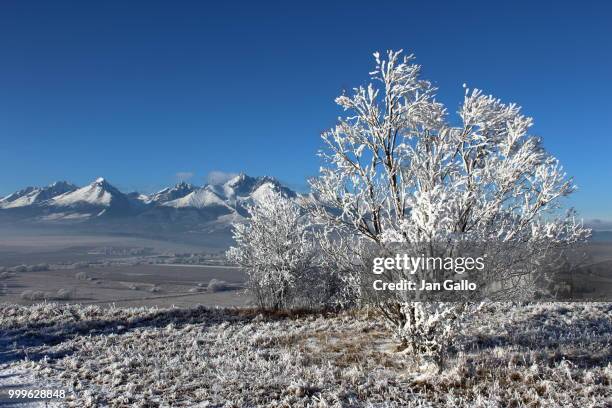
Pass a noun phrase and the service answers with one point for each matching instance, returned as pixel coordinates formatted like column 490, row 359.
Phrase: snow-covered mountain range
column 63, row 201
column 34, row 195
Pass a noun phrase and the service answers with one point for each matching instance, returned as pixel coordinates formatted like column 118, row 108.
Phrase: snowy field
column 126, row 285
column 57, row 266
column 541, row 355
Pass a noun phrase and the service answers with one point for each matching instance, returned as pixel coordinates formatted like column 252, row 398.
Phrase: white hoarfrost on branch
column 275, row 247
column 399, row 170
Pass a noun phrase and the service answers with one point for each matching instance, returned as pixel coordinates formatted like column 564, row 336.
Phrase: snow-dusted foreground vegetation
column 548, row 355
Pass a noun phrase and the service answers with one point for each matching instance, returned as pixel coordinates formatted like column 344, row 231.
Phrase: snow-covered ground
column 549, row 355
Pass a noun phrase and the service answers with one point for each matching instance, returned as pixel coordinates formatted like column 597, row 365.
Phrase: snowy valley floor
column 542, row 355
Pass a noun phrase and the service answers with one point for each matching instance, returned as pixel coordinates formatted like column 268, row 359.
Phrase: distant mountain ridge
column 183, row 202
column 33, row 195
column 172, row 193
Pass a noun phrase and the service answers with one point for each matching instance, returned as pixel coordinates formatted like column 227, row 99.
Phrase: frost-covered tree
column 398, row 169
column 275, row 248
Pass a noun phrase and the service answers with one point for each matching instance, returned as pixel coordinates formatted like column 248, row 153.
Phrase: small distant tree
column 275, row 247
column 398, row 170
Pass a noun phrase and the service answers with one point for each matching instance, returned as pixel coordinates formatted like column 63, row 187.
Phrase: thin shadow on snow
column 33, row 342
column 555, row 334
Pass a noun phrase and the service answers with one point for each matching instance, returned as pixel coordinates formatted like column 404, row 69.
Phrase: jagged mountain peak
column 17, row 194
column 103, row 183
column 98, row 193
column 34, row 195
column 244, row 185
column 239, row 179
column 179, row 190
column 183, row 184
column 61, row 183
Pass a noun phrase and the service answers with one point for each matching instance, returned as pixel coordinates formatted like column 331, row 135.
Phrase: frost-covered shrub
column 38, row 295
column 64, row 294
column 399, row 171
column 81, row 276
column 276, row 249
column 79, row 265
column 217, row 285
column 29, row 268
column 33, row 295
column 38, row 267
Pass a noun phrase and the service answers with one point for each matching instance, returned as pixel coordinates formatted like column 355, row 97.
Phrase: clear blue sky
column 137, row 91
